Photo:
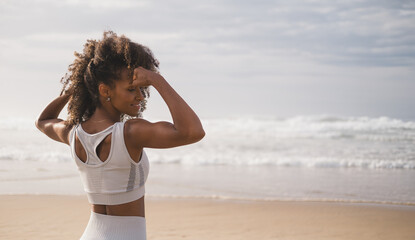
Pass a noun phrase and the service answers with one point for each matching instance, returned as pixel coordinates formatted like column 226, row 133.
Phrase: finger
column 135, row 83
column 137, row 71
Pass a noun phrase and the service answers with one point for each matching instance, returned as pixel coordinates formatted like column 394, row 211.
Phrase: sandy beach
column 64, row 217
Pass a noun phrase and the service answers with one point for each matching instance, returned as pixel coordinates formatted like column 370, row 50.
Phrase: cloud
column 335, row 32
column 105, row 4
column 268, row 44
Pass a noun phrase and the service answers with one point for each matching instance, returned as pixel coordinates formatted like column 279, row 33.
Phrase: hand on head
column 143, row 77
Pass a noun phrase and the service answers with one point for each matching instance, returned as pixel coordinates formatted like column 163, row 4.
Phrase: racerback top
column 118, row 179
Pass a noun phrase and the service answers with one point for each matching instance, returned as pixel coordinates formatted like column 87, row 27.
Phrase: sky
column 225, row 58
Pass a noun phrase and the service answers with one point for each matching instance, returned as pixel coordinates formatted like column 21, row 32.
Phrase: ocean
column 303, row 158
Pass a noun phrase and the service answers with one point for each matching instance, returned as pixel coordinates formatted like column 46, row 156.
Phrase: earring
column 108, row 99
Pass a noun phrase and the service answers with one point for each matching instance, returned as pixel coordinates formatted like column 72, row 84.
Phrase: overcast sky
column 226, row 58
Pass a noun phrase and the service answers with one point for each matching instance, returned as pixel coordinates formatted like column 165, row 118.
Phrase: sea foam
column 301, row 141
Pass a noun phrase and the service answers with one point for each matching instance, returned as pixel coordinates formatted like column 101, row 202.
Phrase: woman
column 106, row 88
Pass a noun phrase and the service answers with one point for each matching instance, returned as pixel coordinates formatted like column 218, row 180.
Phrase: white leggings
column 108, row 227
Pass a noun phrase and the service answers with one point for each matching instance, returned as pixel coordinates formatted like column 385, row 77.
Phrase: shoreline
column 235, row 199
column 65, row 217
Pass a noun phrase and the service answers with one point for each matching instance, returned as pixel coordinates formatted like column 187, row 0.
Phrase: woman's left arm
column 49, row 123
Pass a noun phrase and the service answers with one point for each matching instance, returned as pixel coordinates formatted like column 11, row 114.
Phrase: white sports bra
column 118, row 179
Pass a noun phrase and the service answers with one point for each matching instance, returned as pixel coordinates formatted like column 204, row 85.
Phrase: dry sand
column 65, row 217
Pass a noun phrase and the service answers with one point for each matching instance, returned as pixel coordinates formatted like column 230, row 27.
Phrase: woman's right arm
column 49, row 123
column 186, row 127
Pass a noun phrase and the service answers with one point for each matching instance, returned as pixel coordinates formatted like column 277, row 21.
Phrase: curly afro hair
column 101, row 62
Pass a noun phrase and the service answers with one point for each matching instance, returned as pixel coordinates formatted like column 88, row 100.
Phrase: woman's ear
column 104, row 90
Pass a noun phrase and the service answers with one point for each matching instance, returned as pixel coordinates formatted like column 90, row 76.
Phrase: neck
column 103, row 114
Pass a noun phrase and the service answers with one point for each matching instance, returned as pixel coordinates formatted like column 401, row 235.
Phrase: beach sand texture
column 65, row 217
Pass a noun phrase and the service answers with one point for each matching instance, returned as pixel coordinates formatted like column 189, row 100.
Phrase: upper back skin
column 104, row 147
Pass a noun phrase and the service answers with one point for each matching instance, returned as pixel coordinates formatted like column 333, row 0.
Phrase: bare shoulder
column 142, row 133
column 137, row 125
column 136, row 131
column 63, row 131
column 143, row 128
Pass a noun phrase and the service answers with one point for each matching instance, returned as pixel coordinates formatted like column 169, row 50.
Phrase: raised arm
column 186, row 127
column 49, row 123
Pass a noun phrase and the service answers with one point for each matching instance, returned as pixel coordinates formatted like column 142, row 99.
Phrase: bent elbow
column 197, row 136
column 202, row 134
column 40, row 124
column 37, row 124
